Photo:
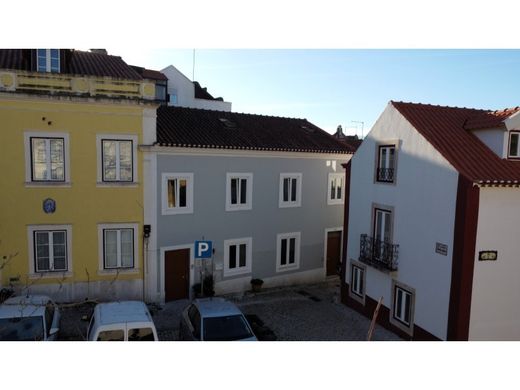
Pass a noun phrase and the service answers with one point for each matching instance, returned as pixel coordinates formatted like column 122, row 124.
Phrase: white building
column 185, row 93
column 432, row 223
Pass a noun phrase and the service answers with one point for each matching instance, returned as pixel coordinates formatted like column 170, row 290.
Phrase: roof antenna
column 193, row 71
column 362, row 126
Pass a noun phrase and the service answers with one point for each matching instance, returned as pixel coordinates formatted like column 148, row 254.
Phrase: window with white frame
column 177, row 193
column 47, row 158
column 48, row 60
column 357, row 280
column 336, row 188
column 386, row 164
column 288, row 251
column 237, row 256
column 290, row 190
column 514, row 144
column 118, row 246
column 239, row 191
column 49, row 248
column 402, row 306
column 117, row 159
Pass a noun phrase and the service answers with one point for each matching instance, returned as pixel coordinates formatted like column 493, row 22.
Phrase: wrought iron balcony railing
column 385, row 174
column 377, row 253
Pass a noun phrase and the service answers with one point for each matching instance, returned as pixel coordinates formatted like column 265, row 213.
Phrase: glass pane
column 407, row 299
column 242, row 255
column 39, row 158
column 141, row 334
column 232, row 256
column 55, row 65
column 333, row 188
column 243, row 191
column 60, row 263
column 513, row 146
column 42, row 238
column 110, row 248
column 182, row 192
column 292, row 250
column 42, row 264
column 127, row 248
column 399, row 299
column 293, row 190
column 361, row 287
column 55, row 54
column 283, row 252
column 111, row 335
column 379, row 222
column 226, row 328
column 286, row 182
column 387, row 227
column 125, row 160
column 57, row 171
column 56, row 150
column 109, row 160
column 42, row 52
column 172, row 190
column 42, row 64
column 391, row 158
column 21, row 329
column 58, row 238
column 382, row 158
column 160, row 92
column 234, row 191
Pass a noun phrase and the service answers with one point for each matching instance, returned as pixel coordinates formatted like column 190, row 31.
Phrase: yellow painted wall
column 84, row 204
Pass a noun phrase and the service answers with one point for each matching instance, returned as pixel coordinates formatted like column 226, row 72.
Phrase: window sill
column 122, row 271
column 356, row 296
column 238, row 208
column 37, row 184
column 289, row 205
column 335, row 202
column 228, row 273
column 176, row 211
column 50, row 275
column 287, row 268
column 129, row 184
column 386, row 183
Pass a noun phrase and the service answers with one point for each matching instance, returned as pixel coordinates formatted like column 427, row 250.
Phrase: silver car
column 29, row 318
column 214, row 319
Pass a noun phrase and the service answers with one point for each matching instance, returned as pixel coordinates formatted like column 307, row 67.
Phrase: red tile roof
column 445, row 129
column 190, row 127
column 149, row 73
column 490, row 119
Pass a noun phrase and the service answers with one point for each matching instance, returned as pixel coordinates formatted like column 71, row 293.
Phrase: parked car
column 29, row 318
column 214, row 319
column 121, row 321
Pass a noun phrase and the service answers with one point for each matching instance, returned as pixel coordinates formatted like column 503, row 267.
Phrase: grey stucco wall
column 264, row 221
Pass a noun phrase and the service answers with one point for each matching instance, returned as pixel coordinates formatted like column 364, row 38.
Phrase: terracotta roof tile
column 489, row 119
column 190, row 127
column 444, row 128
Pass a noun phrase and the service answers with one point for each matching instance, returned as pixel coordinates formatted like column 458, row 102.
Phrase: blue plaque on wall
column 49, row 206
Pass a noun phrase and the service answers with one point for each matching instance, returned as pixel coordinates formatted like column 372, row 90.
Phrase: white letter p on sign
column 203, row 247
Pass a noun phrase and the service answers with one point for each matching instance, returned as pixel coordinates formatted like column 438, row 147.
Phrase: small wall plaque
column 487, row 255
column 441, row 249
column 49, row 206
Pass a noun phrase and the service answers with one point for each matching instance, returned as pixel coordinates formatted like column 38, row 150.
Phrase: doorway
column 333, row 252
column 176, row 274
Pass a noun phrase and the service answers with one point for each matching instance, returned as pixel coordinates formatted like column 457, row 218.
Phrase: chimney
column 339, row 132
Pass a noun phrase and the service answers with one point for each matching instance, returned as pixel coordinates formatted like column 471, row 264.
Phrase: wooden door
column 333, row 252
column 177, row 274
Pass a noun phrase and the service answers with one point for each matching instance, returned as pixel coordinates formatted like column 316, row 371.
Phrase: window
column 237, row 256
column 160, row 91
column 290, row 190
column 173, row 97
column 386, row 164
column 111, row 335
column 239, row 191
column 402, row 306
column 141, row 334
column 357, row 280
column 118, row 245
column 336, row 188
column 117, row 162
column 287, row 251
column 48, row 60
column 514, row 145
column 177, row 193
column 49, row 249
column 46, row 156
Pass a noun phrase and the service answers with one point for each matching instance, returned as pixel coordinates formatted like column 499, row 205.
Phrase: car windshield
column 227, row 328
column 21, row 329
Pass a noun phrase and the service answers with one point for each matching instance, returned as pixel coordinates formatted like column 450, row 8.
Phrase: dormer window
column 48, row 60
column 514, row 144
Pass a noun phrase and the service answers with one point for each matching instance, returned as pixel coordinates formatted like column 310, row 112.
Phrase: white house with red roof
column 431, row 223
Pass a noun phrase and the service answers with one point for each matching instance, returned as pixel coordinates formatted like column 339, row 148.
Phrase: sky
column 343, row 86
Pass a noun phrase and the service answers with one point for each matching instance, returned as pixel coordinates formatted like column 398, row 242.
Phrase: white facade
column 184, row 90
column 423, row 201
column 495, row 312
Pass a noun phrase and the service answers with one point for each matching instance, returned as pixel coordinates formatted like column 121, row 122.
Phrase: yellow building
column 71, row 199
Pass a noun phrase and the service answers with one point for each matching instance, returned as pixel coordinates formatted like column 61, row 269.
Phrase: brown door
column 333, row 252
column 177, row 274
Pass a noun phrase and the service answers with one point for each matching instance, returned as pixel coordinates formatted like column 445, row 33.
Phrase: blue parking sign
column 203, row 249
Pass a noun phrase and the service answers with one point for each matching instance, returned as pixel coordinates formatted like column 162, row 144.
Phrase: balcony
column 379, row 254
column 385, row 175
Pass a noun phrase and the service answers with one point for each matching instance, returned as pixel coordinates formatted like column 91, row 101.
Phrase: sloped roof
column 445, row 128
column 149, row 73
column 202, row 93
column 190, row 127
column 74, row 62
column 490, row 119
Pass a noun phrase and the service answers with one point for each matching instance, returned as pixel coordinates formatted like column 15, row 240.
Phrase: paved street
column 301, row 313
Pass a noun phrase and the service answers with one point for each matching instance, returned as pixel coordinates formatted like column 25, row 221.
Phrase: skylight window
column 228, row 123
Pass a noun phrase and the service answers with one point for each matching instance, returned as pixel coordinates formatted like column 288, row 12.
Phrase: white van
column 121, row 321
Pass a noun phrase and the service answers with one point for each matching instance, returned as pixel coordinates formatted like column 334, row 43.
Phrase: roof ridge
column 440, row 106
column 236, row 112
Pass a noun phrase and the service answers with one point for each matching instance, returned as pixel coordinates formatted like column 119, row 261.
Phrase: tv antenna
column 362, row 126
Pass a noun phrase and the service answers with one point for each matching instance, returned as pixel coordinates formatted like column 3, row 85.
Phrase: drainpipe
column 146, row 236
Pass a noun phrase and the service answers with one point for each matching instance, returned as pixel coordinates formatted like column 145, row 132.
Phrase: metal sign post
column 203, row 250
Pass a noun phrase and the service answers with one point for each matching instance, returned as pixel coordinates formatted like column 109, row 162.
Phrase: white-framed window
column 357, row 279
column 117, row 246
column 238, row 256
column 290, row 193
column 403, row 304
column 386, row 164
column 287, row 251
column 336, row 188
column 117, row 159
column 47, row 158
column 514, row 144
column 173, row 97
column 48, row 60
column 50, row 249
column 160, row 91
column 239, row 191
column 177, row 193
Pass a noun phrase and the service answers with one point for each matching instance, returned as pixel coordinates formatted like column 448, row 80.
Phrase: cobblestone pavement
column 300, row 313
